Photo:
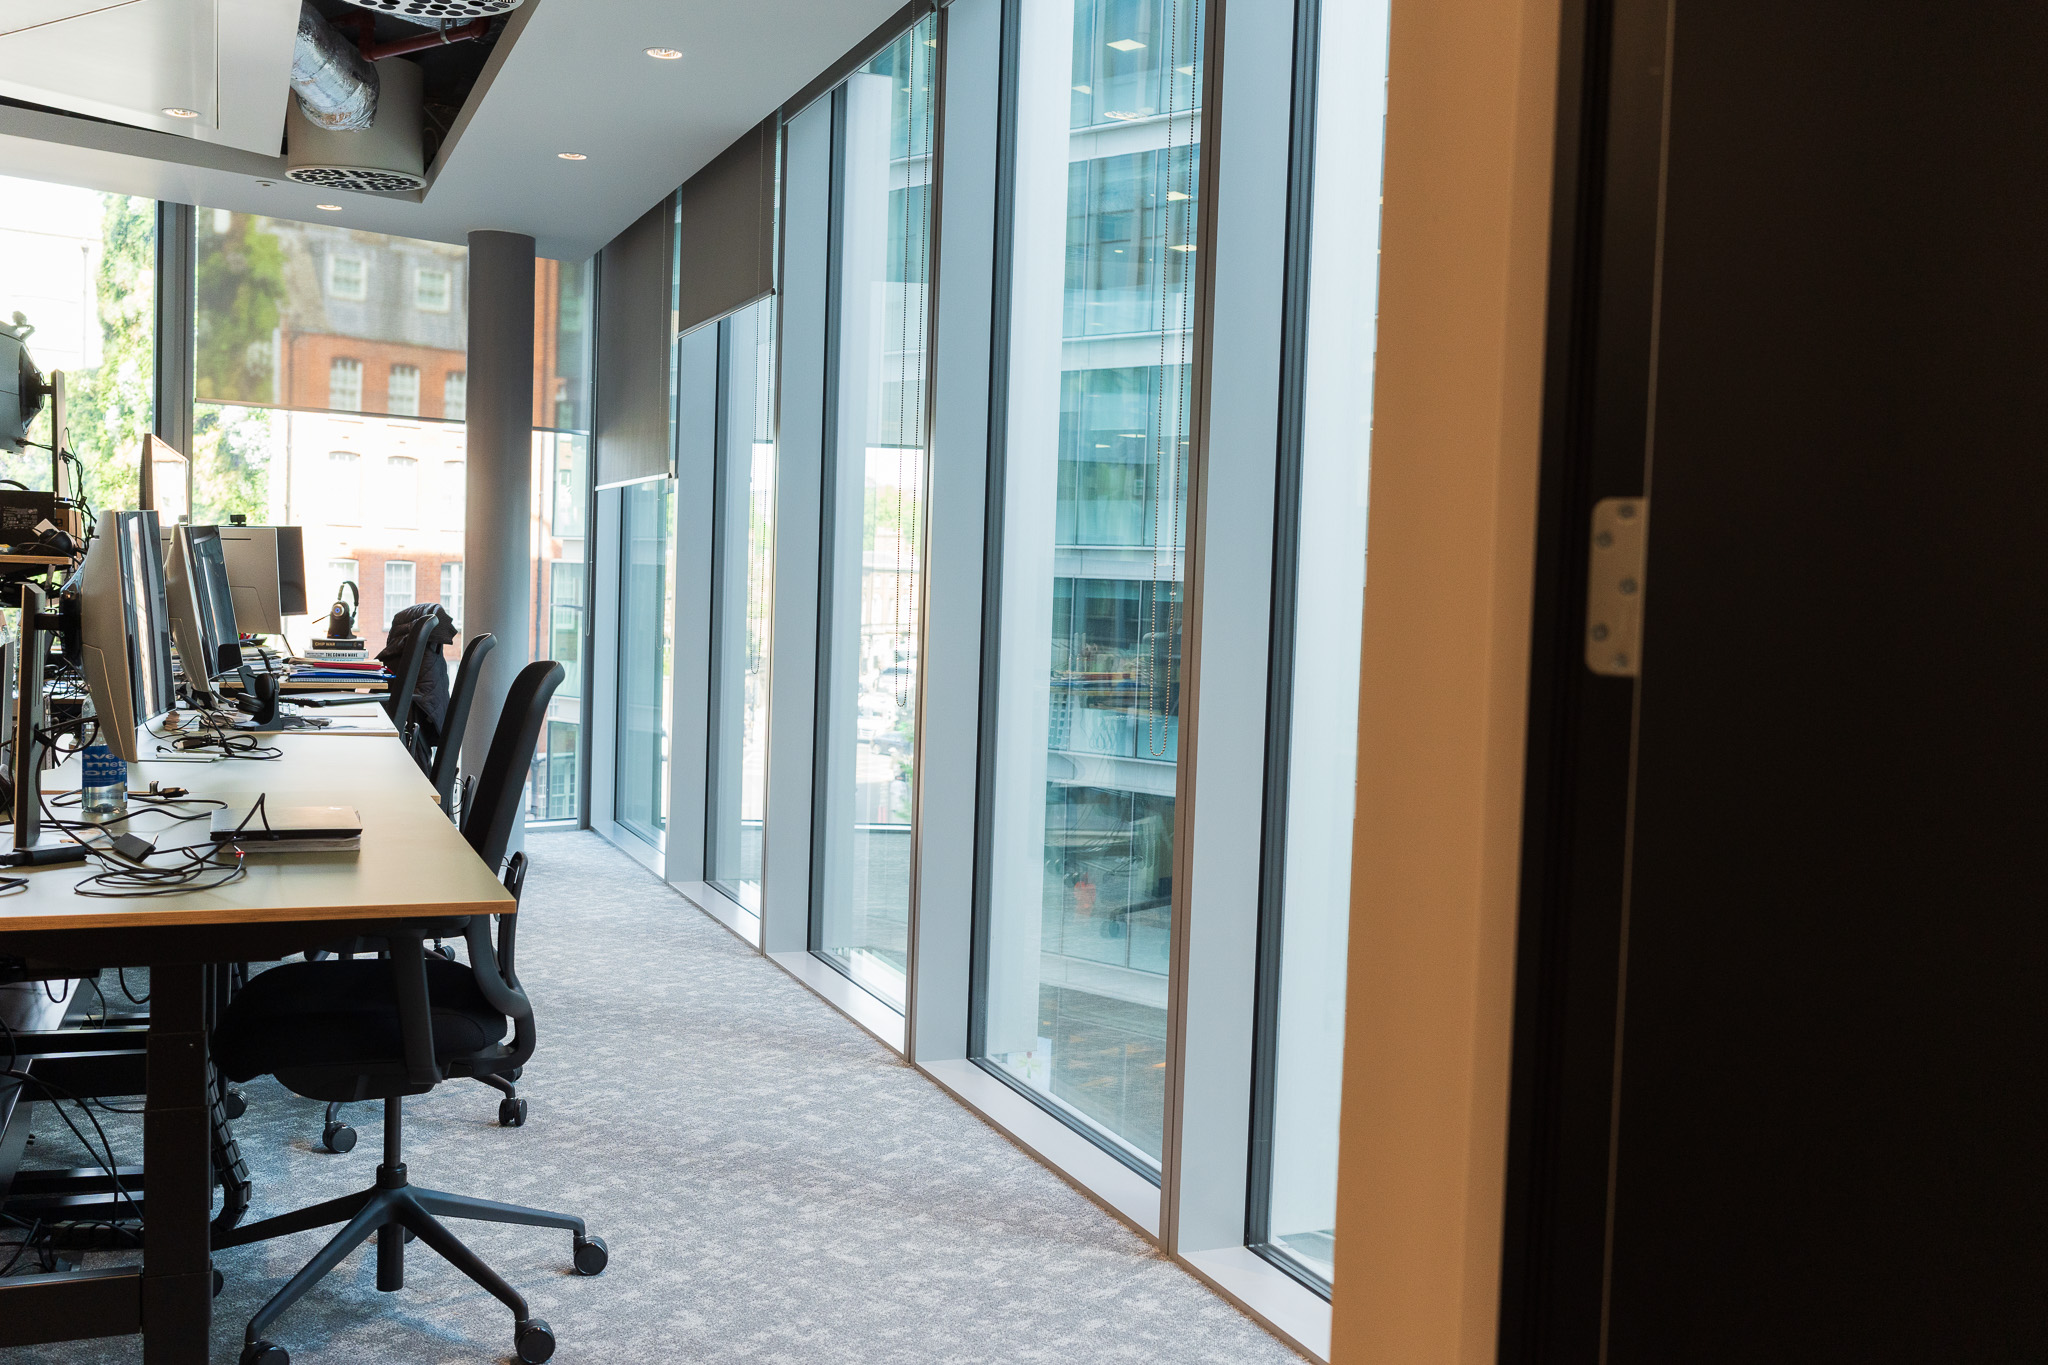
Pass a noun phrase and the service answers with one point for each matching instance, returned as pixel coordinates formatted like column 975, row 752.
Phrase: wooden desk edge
column 123, row 913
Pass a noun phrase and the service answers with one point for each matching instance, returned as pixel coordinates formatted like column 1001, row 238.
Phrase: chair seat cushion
column 343, row 1012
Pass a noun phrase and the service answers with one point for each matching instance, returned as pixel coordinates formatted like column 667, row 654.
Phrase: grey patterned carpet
column 775, row 1186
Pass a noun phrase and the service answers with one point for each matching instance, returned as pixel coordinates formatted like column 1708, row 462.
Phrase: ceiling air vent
column 427, row 11
column 385, row 158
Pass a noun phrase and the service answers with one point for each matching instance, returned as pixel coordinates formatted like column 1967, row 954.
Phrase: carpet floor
column 776, row 1187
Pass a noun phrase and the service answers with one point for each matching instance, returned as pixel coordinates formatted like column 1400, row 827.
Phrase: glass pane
column 559, row 474
column 1094, row 508
column 745, row 537
column 646, row 610
column 319, row 316
column 875, row 497
column 353, row 484
column 1305, row 1055
column 80, row 266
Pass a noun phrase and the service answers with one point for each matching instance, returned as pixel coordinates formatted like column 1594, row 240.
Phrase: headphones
column 341, row 618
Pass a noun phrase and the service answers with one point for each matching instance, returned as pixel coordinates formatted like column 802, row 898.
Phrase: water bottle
column 104, row 794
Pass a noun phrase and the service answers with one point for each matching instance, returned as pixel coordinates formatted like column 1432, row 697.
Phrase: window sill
column 1284, row 1305
column 850, row 1000
column 744, row 923
column 1081, row 1163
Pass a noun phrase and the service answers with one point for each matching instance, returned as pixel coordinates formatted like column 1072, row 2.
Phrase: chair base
column 394, row 1211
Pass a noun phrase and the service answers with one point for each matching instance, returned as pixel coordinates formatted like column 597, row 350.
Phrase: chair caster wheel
column 263, row 1353
column 219, row 1282
column 338, row 1138
column 512, row 1113
column 591, row 1255
column 447, row 951
column 535, row 1341
column 234, row 1104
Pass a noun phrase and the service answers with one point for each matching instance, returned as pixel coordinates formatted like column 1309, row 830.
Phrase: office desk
column 412, row 865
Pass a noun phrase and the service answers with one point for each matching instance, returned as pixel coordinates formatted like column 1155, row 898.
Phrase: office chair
column 406, row 683
column 347, row 1029
column 448, row 752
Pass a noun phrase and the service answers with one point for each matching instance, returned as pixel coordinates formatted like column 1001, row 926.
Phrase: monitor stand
column 31, row 849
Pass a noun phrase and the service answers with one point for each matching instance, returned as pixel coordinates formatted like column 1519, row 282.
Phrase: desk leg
column 177, row 1276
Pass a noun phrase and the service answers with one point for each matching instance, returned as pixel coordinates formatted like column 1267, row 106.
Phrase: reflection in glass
column 559, row 494
column 744, row 536
column 1081, row 839
column 647, row 562
column 874, row 489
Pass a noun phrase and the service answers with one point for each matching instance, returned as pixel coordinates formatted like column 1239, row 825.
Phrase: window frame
column 361, row 290
column 420, row 275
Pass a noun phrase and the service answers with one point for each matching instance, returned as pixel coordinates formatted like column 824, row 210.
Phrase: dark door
column 1780, row 1055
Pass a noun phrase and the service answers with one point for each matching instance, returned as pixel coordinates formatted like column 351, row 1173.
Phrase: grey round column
column 497, row 522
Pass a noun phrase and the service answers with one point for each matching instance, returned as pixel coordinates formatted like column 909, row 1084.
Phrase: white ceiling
column 567, row 76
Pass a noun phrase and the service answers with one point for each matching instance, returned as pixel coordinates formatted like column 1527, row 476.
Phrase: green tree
column 240, row 295
column 109, row 408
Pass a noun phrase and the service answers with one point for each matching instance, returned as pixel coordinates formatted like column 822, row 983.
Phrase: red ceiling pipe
column 378, row 51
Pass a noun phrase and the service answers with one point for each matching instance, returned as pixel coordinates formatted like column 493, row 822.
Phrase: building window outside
column 345, row 384
column 401, row 491
column 344, row 488
column 402, row 399
column 400, row 578
column 1093, row 533
column 875, row 498
column 341, row 571
column 348, row 277
column 451, row 493
column 431, row 290
column 451, row 590
column 455, row 396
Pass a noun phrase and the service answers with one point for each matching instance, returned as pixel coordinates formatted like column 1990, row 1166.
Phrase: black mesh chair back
column 448, row 754
column 492, row 811
column 398, row 705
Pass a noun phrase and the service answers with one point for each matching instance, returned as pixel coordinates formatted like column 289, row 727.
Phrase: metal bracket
column 1614, row 587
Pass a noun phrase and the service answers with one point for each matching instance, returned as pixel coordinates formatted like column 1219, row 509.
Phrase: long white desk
column 413, row 865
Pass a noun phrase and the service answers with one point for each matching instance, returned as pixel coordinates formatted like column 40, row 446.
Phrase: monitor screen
column 213, row 601
column 148, row 615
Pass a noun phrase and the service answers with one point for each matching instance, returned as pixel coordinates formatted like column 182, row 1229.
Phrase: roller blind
column 727, row 230
column 635, row 325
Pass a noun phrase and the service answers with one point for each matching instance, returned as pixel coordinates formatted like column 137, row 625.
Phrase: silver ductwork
column 337, row 88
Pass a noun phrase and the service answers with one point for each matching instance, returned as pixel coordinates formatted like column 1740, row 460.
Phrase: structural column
column 498, row 521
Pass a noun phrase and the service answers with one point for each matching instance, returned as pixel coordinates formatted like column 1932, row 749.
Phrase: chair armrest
column 415, row 1006
column 498, row 986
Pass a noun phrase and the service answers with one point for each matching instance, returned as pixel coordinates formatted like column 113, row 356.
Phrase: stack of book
column 323, row 650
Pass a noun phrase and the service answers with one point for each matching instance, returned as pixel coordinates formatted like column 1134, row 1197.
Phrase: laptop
column 287, row 824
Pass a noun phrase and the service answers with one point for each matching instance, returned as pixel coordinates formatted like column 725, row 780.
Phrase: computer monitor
column 267, row 569
column 202, row 605
column 125, row 629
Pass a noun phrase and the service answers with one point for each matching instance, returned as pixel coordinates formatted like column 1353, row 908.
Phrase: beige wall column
column 1443, row 692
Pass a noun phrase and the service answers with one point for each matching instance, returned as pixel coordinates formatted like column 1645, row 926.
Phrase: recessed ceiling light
column 176, row 112
column 331, row 208
column 665, row 54
column 572, row 156
column 1127, row 45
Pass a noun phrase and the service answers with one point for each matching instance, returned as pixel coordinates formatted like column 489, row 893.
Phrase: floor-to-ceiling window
column 742, row 594
column 876, row 457
column 561, row 495
column 647, row 575
column 1320, row 576
column 1080, row 835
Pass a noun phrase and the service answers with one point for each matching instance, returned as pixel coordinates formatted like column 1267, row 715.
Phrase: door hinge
column 1614, row 587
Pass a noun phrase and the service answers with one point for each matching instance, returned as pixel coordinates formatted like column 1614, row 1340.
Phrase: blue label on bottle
column 104, row 769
